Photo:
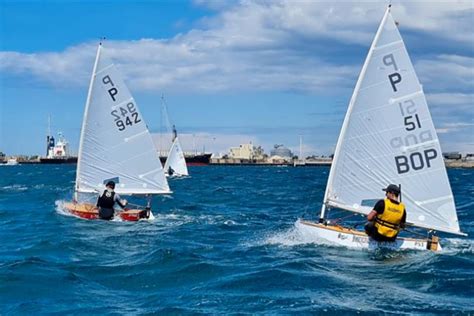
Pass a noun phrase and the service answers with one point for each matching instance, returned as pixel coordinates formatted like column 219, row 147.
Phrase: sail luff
column 349, row 111
column 84, row 119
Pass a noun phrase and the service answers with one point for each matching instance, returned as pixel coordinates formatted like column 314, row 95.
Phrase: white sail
column 388, row 137
column 115, row 142
column 176, row 160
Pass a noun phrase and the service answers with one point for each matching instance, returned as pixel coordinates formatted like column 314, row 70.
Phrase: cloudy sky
column 230, row 71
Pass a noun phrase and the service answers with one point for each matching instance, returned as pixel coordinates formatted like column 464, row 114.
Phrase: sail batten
column 122, row 103
column 388, row 137
column 377, row 84
column 102, row 70
column 376, row 48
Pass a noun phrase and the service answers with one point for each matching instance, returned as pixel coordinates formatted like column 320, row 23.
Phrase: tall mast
column 175, row 133
column 86, row 112
column 348, row 113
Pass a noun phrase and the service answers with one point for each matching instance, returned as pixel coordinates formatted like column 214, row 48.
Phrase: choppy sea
column 224, row 242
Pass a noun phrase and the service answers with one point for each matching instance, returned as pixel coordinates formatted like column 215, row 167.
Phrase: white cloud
column 257, row 46
column 204, row 142
column 70, row 66
column 447, row 108
column 455, row 127
column 449, row 99
column 301, row 46
column 445, row 72
column 216, row 5
column 448, row 19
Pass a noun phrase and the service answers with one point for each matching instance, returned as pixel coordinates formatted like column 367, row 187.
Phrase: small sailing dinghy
column 115, row 145
column 175, row 164
column 387, row 137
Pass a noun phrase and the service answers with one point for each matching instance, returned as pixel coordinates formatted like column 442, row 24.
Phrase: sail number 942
column 125, row 116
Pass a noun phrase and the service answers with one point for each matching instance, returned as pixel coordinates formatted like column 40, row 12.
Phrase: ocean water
column 225, row 242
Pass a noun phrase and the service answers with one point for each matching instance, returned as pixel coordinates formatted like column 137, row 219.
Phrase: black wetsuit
column 106, row 203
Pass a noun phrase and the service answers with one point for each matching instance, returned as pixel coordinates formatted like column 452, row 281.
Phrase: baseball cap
column 110, row 184
column 393, row 188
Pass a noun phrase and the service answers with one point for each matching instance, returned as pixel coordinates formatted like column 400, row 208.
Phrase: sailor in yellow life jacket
column 387, row 217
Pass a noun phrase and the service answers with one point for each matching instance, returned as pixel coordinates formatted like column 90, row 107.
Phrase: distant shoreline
column 449, row 163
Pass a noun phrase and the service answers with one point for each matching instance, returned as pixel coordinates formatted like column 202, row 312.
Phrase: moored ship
column 193, row 159
column 57, row 152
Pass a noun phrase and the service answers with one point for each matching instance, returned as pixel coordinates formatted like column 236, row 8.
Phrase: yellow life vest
column 388, row 223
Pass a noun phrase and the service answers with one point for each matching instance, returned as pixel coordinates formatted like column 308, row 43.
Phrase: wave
column 177, row 218
column 61, row 210
column 14, row 188
column 453, row 246
column 291, row 237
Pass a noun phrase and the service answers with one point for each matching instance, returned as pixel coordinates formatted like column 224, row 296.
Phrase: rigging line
column 338, row 220
column 358, row 223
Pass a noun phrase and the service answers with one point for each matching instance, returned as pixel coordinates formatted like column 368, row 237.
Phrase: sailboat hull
column 90, row 211
column 352, row 238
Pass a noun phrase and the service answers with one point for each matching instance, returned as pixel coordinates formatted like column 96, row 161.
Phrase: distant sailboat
column 388, row 137
column 115, row 145
column 175, row 165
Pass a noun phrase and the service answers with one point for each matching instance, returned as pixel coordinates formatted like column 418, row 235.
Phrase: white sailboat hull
column 352, row 238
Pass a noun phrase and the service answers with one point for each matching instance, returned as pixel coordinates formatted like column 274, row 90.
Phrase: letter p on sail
column 395, row 78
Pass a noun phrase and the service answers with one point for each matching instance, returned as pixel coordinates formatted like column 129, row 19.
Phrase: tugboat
column 57, row 153
column 10, row 162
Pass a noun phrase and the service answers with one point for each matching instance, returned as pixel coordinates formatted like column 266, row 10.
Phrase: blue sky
column 231, row 72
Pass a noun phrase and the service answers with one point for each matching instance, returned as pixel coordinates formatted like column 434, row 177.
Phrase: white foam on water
column 61, row 210
column 175, row 178
column 452, row 246
column 293, row 236
column 176, row 218
column 173, row 219
column 151, row 217
column 15, row 188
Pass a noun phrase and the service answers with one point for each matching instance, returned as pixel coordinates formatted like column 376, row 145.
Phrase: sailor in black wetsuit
column 107, row 200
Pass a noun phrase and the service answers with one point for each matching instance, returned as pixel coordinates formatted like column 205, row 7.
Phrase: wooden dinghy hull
column 90, row 211
column 352, row 238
